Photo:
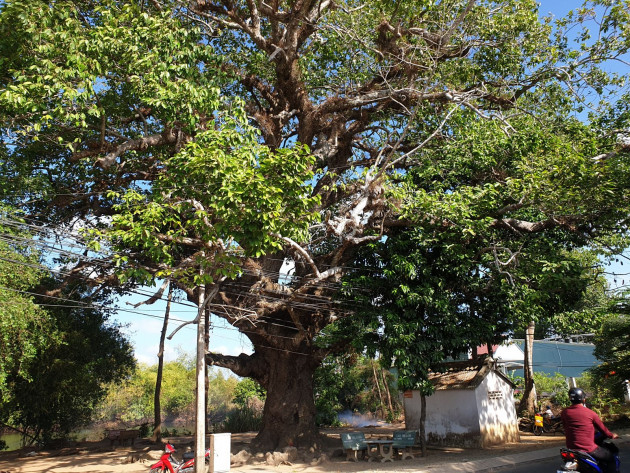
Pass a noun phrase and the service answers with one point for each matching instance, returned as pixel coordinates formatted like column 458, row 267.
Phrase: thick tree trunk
column 289, row 413
column 528, row 402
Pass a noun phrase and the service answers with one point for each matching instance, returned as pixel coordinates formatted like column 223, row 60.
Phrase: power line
column 324, row 301
column 78, row 304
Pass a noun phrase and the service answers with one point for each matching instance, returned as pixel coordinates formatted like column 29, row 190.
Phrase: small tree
column 66, row 380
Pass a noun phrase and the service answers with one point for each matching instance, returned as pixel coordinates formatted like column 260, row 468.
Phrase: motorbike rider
column 549, row 413
column 580, row 424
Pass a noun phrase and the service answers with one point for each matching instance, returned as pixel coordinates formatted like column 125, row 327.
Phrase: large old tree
column 209, row 142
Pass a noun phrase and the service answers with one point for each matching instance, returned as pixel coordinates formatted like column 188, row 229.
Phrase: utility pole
column 200, row 415
column 202, row 345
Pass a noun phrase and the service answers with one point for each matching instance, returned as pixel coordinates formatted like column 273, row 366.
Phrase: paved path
column 495, row 462
column 502, row 461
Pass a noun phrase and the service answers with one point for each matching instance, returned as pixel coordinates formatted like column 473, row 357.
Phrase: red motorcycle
column 169, row 464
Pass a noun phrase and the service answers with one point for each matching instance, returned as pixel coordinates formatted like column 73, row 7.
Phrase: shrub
column 242, row 419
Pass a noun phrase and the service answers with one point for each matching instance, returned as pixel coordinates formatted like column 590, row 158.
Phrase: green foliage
column 26, row 329
column 455, row 280
column 248, row 390
column 131, row 402
column 82, row 69
column 549, row 388
column 612, row 349
column 52, row 362
column 66, row 380
column 221, row 390
column 561, row 398
column 242, row 419
column 553, row 387
column 441, row 293
column 443, row 133
column 601, row 396
column 346, row 383
column 222, row 188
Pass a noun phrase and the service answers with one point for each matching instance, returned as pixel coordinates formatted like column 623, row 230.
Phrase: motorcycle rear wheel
column 538, row 430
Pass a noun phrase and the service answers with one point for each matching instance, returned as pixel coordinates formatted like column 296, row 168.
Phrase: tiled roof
column 463, row 375
column 461, row 379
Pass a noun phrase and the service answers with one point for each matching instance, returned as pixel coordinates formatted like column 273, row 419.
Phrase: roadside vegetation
column 350, row 384
column 602, row 396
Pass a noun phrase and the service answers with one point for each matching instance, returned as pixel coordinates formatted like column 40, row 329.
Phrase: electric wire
column 237, row 288
column 79, row 304
column 269, row 320
column 325, row 300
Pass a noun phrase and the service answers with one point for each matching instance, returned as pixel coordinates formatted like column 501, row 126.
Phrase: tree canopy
column 210, row 142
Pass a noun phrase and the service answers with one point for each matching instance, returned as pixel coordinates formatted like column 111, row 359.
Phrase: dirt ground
column 97, row 457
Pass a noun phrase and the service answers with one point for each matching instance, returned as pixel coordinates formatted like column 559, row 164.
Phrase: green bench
column 404, row 440
column 353, row 443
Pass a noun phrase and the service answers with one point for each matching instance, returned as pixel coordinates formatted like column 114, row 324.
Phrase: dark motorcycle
column 546, row 425
column 575, row 460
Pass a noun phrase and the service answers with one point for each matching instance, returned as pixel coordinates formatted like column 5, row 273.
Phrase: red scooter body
column 168, row 463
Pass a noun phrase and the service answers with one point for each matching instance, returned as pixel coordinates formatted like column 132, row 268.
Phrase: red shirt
column 580, row 424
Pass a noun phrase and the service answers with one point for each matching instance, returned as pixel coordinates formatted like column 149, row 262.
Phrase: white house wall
column 497, row 416
column 451, row 418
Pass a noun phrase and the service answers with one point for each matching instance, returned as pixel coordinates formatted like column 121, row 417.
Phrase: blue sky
column 143, row 325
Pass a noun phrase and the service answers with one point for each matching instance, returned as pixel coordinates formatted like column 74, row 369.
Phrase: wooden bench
column 353, row 443
column 121, row 436
column 404, row 440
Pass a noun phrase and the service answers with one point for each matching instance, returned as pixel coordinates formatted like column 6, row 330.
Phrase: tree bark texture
column 289, row 413
column 287, row 375
column 528, row 401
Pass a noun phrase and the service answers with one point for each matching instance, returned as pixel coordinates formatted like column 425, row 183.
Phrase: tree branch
column 156, row 297
column 167, row 137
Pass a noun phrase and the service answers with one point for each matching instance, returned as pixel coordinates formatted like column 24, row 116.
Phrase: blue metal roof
column 569, row 359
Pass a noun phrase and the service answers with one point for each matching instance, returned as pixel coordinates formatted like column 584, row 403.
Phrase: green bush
column 242, row 419
column 247, row 390
column 145, row 431
column 561, row 398
column 347, row 383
